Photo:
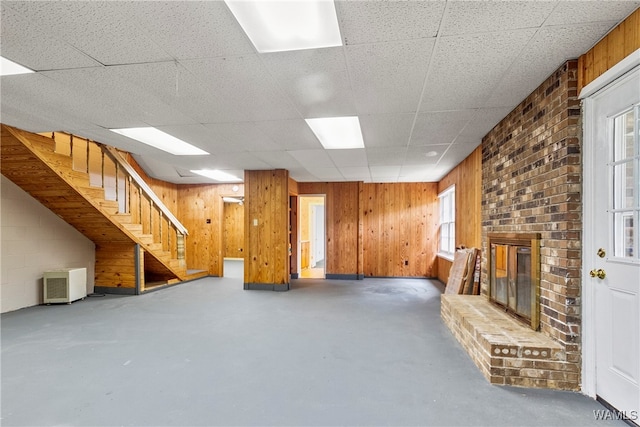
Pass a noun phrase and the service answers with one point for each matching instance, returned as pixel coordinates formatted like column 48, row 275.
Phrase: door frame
column 588, row 210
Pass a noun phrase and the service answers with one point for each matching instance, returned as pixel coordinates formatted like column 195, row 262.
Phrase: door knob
column 601, row 253
column 599, row 273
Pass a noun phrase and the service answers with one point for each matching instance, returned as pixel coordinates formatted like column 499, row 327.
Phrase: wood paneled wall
column 115, row 267
column 201, row 211
column 343, row 226
column 233, row 230
column 400, row 229
column 617, row 45
column 467, row 177
column 266, row 245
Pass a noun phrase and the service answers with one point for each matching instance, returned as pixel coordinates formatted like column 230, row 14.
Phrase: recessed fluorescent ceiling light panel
column 9, row 68
column 217, row 175
column 337, row 133
column 161, row 140
column 276, row 26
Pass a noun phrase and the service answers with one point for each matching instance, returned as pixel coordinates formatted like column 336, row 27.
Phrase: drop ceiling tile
column 385, row 130
column 317, row 158
column 239, row 136
column 325, row 174
column 101, row 30
column 537, row 61
column 425, row 154
column 246, row 86
column 239, row 160
column 315, row 79
column 289, row 134
column 483, row 121
column 301, row 175
column 191, row 29
column 469, row 17
column 375, row 71
column 419, row 174
column 386, row 155
column 466, row 69
column 372, row 22
column 573, row 12
column 423, row 174
column 279, row 159
column 356, row 173
column 347, row 158
column 439, row 127
column 26, row 43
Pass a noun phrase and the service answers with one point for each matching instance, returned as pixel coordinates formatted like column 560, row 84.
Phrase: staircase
column 139, row 242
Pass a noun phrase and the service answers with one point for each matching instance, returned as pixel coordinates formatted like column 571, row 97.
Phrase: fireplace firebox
column 514, row 275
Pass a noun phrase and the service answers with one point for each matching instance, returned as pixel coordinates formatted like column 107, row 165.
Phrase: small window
column 447, row 244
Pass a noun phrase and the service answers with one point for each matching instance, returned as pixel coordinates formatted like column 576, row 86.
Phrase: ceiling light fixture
column 161, row 140
column 217, row 175
column 337, row 133
column 231, row 200
column 10, row 68
column 277, row 26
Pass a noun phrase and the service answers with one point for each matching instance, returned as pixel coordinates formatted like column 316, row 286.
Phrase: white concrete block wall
column 35, row 240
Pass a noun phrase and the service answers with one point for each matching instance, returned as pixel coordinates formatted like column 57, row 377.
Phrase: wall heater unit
column 65, row 285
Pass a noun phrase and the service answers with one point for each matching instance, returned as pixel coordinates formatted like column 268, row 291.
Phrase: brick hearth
column 506, row 351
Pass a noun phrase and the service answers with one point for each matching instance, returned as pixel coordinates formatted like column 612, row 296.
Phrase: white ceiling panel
column 439, row 127
column 386, row 155
column 313, row 158
column 24, row 42
column 379, row 21
column 316, row 80
column 98, row 29
column 246, row 86
column 421, row 76
column 345, row 158
column 386, row 130
column 325, row 174
column 289, row 134
column 537, row 61
column 356, row 173
column 480, row 61
column 278, row 159
column 425, row 154
column 191, row 29
column 469, row 17
column 574, row 12
column 374, row 70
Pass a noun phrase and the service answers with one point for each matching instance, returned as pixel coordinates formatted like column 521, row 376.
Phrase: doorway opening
column 233, row 237
column 312, row 254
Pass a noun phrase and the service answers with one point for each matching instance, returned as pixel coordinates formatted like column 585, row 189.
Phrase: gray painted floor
column 370, row 352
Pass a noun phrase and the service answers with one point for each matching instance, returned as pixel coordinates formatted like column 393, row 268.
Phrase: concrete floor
column 370, row 352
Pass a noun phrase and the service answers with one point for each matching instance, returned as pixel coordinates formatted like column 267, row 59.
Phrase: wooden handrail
column 117, row 157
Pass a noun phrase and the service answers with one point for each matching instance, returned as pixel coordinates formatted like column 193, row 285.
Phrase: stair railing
column 108, row 169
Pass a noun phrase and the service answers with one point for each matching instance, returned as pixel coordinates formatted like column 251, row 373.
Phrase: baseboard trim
column 114, row 290
column 344, row 276
column 283, row 287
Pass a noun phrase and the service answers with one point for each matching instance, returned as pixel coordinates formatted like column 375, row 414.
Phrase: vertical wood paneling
column 399, row 229
column 615, row 46
column 342, row 211
column 233, row 230
column 115, row 266
column 197, row 204
column 266, row 227
column 467, row 177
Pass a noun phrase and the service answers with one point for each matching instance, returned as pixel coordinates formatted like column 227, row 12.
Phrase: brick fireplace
column 531, row 183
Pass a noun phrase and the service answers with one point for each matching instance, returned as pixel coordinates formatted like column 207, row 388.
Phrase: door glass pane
column 524, row 281
column 626, row 184
column 624, row 144
column 624, row 178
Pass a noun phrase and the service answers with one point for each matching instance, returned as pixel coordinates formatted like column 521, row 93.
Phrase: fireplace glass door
column 513, row 280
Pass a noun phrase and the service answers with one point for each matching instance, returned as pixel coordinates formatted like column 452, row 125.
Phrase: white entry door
column 611, row 281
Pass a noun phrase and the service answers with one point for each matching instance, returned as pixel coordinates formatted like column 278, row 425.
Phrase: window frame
column 447, row 223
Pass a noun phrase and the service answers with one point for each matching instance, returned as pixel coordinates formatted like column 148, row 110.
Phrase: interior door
column 612, row 239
